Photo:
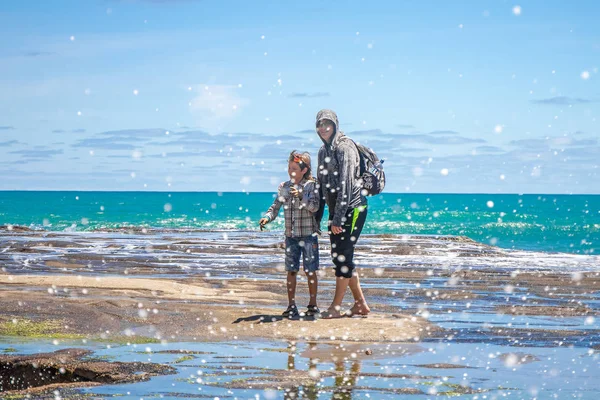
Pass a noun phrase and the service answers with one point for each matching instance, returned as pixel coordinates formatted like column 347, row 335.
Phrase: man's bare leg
column 334, row 310
column 360, row 306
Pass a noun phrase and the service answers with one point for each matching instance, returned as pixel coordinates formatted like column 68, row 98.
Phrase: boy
column 300, row 199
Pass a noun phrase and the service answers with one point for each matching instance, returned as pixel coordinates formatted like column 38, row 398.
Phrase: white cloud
column 215, row 103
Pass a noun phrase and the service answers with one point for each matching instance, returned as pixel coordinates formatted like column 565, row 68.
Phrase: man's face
column 325, row 129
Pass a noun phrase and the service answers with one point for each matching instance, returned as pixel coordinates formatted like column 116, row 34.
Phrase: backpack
column 371, row 175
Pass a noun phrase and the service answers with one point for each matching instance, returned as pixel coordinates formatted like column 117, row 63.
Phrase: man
column 338, row 172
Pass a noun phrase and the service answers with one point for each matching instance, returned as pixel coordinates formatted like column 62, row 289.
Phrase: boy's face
column 295, row 172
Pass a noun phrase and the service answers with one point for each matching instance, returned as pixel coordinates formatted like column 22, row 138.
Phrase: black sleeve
column 321, row 210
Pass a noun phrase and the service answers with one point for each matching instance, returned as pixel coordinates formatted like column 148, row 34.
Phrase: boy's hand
column 295, row 192
column 262, row 223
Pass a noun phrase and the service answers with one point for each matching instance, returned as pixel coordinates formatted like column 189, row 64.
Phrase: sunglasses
column 298, row 159
column 324, row 124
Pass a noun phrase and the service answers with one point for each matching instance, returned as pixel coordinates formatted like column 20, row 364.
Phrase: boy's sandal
column 291, row 311
column 311, row 311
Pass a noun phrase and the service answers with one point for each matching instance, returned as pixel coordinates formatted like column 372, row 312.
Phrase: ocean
column 545, row 222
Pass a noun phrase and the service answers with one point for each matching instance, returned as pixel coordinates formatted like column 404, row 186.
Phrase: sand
column 171, row 310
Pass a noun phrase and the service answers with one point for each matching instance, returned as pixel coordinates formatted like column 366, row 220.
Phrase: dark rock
column 15, row 228
column 24, row 372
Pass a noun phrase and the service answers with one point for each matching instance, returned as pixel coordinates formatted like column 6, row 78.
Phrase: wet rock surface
column 15, row 228
column 70, row 367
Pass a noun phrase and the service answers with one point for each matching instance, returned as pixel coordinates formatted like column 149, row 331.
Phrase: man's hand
column 262, row 223
column 336, row 230
column 295, row 192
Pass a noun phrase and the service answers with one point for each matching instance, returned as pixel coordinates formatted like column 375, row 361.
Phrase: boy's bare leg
column 360, row 306
column 313, row 284
column 291, row 287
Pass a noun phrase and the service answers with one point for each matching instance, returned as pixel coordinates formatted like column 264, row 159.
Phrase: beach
column 164, row 162
column 160, row 294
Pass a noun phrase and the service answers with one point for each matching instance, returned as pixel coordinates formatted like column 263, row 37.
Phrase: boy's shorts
column 307, row 247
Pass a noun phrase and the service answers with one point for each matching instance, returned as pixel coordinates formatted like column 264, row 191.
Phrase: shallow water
column 542, row 357
column 241, row 252
column 229, row 370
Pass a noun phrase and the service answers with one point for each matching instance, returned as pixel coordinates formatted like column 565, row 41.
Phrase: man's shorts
column 307, row 247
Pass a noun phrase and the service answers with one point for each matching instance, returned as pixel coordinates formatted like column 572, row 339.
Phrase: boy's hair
column 303, row 160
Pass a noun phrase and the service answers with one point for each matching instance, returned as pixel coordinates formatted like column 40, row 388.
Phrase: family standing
column 337, row 183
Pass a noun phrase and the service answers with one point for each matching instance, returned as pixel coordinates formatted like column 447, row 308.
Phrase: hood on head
column 332, row 116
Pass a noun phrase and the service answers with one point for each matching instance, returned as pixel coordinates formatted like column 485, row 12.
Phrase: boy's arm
column 273, row 211
column 310, row 197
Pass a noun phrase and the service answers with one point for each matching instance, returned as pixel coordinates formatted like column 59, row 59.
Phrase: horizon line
column 247, row 192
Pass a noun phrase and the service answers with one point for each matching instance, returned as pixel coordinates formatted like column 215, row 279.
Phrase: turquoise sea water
column 554, row 223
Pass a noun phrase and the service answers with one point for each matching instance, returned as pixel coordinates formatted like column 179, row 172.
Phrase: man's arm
column 347, row 163
column 321, row 210
column 320, row 191
column 310, row 197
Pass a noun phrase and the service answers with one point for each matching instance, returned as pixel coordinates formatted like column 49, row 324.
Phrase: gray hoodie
column 338, row 172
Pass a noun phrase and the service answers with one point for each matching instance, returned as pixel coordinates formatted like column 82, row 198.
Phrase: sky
column 200, row 95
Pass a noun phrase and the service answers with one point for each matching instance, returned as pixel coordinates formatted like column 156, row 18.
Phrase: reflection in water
column 344, row 381
column 291, row 393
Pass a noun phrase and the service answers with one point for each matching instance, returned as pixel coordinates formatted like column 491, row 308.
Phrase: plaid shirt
column 298, row 212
